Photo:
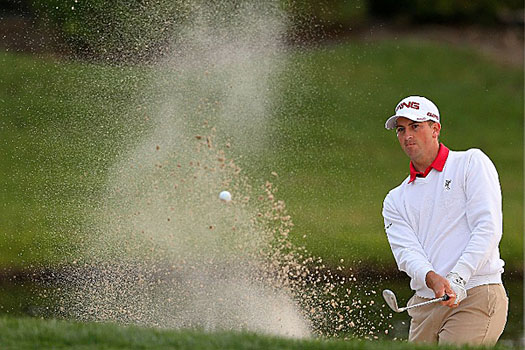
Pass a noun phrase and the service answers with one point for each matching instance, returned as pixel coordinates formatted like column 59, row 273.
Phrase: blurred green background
column 335, row 160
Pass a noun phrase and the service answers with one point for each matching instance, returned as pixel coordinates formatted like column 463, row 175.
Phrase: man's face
column 418, row 140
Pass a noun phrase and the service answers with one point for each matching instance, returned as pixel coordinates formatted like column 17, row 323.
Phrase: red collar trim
column 438, row 164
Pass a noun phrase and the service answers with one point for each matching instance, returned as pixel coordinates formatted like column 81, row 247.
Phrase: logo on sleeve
column 447, row 184
column 388, row 226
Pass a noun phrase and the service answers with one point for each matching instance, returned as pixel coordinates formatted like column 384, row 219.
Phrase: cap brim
column 391, row 122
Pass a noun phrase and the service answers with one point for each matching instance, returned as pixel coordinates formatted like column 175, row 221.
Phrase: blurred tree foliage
column 136, row 28
column 124, row 29
column 444, row 11
column 14, row 7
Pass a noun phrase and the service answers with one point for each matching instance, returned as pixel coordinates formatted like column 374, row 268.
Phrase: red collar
column 437, row 164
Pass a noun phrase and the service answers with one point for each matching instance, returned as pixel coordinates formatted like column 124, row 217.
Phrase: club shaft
column 443, row 298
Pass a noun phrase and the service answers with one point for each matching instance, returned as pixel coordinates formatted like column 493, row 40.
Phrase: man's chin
column 411, row 151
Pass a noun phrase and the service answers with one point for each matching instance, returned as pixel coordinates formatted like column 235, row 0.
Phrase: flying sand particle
column 255, row 278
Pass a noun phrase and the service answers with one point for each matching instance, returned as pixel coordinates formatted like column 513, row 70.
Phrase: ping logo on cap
column 416, row 108
column 432, row 115
column 409, row 104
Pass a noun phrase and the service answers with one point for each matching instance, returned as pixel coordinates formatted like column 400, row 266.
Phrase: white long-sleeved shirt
column 450, row 220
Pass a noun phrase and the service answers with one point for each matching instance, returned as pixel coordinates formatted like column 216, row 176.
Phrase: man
column 444, row 225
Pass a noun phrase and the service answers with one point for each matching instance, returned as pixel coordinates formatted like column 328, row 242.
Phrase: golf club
column 391, row 301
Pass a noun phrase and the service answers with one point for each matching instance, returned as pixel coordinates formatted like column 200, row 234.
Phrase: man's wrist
column 429, row 279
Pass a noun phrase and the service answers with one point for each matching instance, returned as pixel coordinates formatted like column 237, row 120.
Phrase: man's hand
column 458, row 286
column 441, row 286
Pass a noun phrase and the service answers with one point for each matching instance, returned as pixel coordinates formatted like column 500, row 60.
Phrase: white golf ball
column 225, row 196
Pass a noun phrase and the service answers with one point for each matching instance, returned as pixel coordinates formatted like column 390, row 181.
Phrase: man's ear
column 436, row 129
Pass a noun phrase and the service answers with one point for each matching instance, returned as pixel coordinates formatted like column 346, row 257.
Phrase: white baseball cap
column 416, row 108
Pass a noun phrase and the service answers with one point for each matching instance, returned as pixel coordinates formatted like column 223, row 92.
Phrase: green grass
column 27, row 333
column 59, row 130
column 64, row 123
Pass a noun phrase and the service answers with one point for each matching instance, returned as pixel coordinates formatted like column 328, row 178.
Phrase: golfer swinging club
column 444, row 225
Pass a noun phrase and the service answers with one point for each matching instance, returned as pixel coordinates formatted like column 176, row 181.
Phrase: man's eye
column 415, row 126
column 400, row 130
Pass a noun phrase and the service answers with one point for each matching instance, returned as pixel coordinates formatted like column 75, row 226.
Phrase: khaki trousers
column 478, row 320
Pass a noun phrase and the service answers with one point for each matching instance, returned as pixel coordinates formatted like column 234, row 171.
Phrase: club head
column 391, row 300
